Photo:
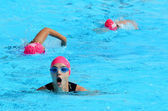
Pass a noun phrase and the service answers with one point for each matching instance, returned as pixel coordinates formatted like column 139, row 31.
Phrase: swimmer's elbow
column 46, row 29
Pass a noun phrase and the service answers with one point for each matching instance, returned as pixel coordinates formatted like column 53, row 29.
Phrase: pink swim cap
column 34, row 48
column 61, row 59
column 110, row 24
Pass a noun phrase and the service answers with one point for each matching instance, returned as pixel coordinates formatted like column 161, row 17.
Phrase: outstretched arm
column 42, row 35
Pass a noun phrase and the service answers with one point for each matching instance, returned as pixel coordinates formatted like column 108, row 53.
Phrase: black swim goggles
column 62, row 69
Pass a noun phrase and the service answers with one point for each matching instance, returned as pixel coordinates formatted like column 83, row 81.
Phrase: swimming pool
column 127, row 67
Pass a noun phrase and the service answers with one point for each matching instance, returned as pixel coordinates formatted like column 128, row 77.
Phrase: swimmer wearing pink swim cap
column 111, row 25
column 60, row 71
column 115, row 25
column 36, row 47
column 119, row 24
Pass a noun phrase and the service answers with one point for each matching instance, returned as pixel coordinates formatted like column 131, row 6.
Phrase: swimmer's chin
column 59, row 85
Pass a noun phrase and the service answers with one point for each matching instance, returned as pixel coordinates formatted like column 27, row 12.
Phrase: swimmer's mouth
column 59, row 80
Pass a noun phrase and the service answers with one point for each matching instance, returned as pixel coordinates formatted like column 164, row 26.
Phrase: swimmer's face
column 59, row 73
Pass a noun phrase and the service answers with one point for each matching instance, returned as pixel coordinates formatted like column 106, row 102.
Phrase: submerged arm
column 42, row 35
column 133, row 23
column 100, row 30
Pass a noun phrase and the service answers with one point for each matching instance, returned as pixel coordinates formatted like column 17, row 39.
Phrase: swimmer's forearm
column 58, row 35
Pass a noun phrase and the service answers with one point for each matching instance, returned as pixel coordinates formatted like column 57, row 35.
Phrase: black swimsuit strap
column 72, row 86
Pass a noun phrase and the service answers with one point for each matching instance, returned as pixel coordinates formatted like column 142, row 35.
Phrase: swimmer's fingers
column 63, row 43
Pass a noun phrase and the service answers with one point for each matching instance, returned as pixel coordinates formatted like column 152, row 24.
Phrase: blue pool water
column 128, row 67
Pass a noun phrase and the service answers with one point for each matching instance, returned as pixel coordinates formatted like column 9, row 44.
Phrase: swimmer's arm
column 42, row 35
column 42, row 88
column 127, row 21
column 100, row 30
column 80, row 88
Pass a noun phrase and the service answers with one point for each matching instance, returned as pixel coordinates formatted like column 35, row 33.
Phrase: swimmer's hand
column 63, row 43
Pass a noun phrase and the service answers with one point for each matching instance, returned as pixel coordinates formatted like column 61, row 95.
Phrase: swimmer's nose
column 59, row 72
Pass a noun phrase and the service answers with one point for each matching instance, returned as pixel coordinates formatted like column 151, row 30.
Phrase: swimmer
column 115, row 25
column 60, row 71
column 36, row 47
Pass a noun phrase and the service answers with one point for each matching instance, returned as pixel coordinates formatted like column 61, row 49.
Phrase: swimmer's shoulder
column 80, row 88
column 34, row 41
column 72, row 86
column 75, row 87
column 48, row 86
